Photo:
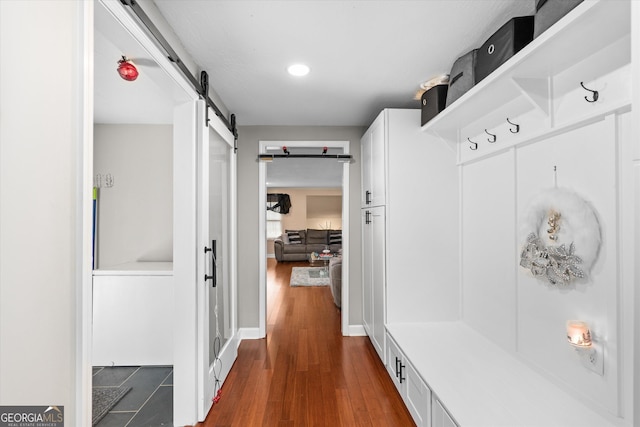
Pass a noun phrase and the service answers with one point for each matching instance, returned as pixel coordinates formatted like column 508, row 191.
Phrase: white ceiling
column 364, row 55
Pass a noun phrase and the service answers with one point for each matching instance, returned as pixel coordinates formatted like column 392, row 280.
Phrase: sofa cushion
column 294, row 249
column 335, row 237
column 294, row 237
column 317, row 237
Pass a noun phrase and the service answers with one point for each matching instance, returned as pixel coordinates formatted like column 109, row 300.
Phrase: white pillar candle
column 578, row 333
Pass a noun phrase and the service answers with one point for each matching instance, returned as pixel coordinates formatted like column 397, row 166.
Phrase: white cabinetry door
column 365, row 168
column 373, row 275
column 417, row 396
column 394, row 364
column 378, row 162
column 414, row 392
column 367, row 262
column 373, row 164
column 440, row 416
column 378, row 277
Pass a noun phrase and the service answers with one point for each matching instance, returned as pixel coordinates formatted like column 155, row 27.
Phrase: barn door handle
column 211, row 277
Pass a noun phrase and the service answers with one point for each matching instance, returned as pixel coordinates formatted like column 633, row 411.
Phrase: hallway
column 305, row 372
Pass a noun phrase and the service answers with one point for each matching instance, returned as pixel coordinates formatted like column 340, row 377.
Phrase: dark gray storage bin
column 462, row 76
column 433, row 101
column 503, row 44
column 548, row 12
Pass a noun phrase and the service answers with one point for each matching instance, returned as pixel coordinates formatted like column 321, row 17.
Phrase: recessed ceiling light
column 298, row 70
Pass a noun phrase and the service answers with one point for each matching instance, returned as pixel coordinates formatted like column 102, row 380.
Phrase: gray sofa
column 335, row 278
column 287, row 248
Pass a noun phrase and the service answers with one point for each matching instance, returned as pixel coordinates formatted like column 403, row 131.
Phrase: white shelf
column 590, row 27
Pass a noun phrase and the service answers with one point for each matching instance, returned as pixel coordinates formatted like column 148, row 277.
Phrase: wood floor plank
column 305, row 373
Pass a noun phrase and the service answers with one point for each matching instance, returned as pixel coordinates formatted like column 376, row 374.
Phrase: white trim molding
column 262, row 192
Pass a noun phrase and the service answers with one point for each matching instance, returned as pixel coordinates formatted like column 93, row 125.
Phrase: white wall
column 248, row 211
column 523, row 314
column 40, row 155
column 136, row 213
column 298, row 216
column 422, row 213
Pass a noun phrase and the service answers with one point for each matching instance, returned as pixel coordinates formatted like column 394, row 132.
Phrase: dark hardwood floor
column 305, row 373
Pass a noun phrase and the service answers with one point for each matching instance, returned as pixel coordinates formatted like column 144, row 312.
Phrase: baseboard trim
column 271, row 255
column 249, row 334
column 357, row 331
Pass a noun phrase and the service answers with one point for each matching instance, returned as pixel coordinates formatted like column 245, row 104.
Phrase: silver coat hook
column 513, row 124
column 594, row 94
column 474, row 145
column 493, row 138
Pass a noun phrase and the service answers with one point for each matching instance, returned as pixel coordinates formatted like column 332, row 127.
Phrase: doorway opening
column 321, row 177
column 131, row 306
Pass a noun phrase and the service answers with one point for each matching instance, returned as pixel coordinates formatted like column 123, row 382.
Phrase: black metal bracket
column 344, row 157
column 235, row 133
column 173, row 57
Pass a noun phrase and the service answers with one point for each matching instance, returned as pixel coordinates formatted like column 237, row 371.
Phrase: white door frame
column 262, row 243
column 185, row 380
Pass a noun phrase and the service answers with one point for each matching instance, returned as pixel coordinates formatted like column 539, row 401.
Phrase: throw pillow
column 335, row 237
column 294, row 237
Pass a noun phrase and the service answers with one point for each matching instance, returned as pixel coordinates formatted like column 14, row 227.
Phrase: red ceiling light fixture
column 127, row 70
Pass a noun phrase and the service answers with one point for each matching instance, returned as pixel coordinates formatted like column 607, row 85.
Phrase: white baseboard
column 271, row 255
column 249, row 334
column 357, row 331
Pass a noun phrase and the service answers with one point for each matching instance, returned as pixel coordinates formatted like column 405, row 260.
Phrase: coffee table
column 322, row 259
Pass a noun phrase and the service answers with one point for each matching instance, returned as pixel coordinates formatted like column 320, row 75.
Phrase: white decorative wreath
column 560, row 235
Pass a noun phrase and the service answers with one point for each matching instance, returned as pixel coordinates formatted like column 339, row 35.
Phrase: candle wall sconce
column 579, row 336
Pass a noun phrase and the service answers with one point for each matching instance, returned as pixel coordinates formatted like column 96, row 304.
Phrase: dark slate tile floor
column 149, row 403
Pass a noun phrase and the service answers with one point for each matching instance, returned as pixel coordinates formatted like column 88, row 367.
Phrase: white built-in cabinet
column 474, row 349
column 399, row 168
column 373, row 238
column 413, row 390
column 373, row 232
column 374, row 164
